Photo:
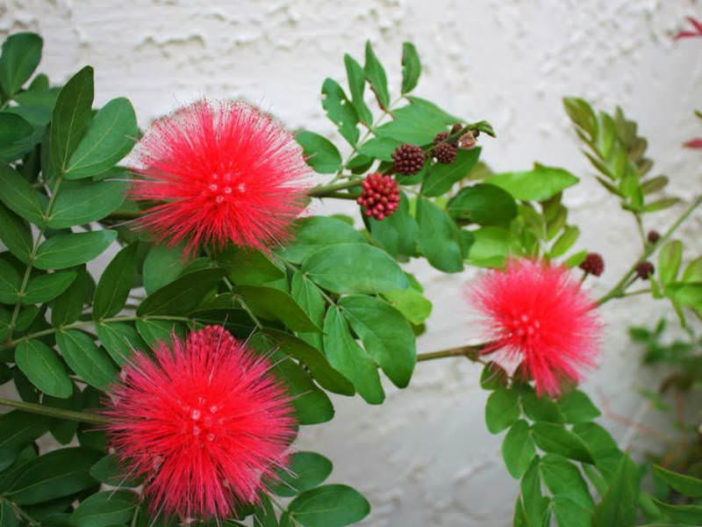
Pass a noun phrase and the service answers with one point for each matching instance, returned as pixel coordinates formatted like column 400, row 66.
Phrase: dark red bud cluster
column 379, row 197
column 653, row 236
column 445, row 153
column 644, row 270
column 593, row 264
column 409, row 159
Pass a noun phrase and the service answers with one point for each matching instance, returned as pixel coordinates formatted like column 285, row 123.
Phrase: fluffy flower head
column 220, row 173
column 203, row 423
column 535, row 311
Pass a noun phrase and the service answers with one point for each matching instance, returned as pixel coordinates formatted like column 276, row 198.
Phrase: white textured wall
column 424, row 457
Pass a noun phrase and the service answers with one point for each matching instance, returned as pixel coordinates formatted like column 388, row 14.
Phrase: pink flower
column 535, row 311
column 220, row 173
column 203, row 423
column 694, row 143
column 695, row 32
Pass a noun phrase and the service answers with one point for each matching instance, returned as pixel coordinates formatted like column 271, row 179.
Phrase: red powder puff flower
column 220, row 173
column 695, row 32
column 537, row 312
column 203, row 423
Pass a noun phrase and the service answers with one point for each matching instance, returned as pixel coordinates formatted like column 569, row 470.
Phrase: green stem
column 58, row 413
column 323, row 191
column 620, row 287
column 19, row 512
column 30, row 264
column 83, row 323
column 471, row 352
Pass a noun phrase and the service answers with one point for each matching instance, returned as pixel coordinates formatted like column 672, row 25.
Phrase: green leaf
column 413, row 305
column 162, row 265
column 565, row 241
column 538, row 184
column 385, row 334
column 416, row 123
column 680, row 514
column 309, row 297
column 319, row 152
column 183, row 295
column 10, row 282
column 618, row 505
column 313, row 359
column 685, row 294
column 19, row 428
column 273, row 304
column 411, row 67
column 54, row 475
column 501, row 410
column 120, row 340
column 68, row 306
column 439, row 237
column 576, row 407
column 580, row 112
column 340, row 110
column 484, row 204
column 601, row 445
column 397, row 234
column 660, row 204
column 563, row 479
column 354, row 268
column 67, row 250
column 693, row 271
column 105, row 509
column 46, row 287
column 86, row 359
column 79, row 203
column 19, row 196
column 669, row 260
column 375, row 73
column 442, row 177
column 250, row 267
column 312, row 405
column 319, row 232
column 380, row 148
column 536, row 506
column 518, row 449
column 7, row 515
column 347, row 357
column 556, row 439
column 493, row 377
column 109, row 138
column 570, row 514
column 115, row 283
column 357, row 83
column 155, row 332
column 329, row 506
column 21, row 54
column 306, row 471
column 683, row 483
column 43, row 368
column 15, row 234
column 71, row 117
column 491, row 247
column 16, row 136
column 110, row 471
column 540, row 408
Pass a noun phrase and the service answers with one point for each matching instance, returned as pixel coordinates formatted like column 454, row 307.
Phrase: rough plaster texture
column 424, row 457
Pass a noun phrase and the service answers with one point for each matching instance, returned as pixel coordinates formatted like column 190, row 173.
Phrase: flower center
column 223, row 186
column 525, row 326
column 202, row 421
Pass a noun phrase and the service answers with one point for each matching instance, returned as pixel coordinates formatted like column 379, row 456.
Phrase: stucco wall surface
column 424, row 457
